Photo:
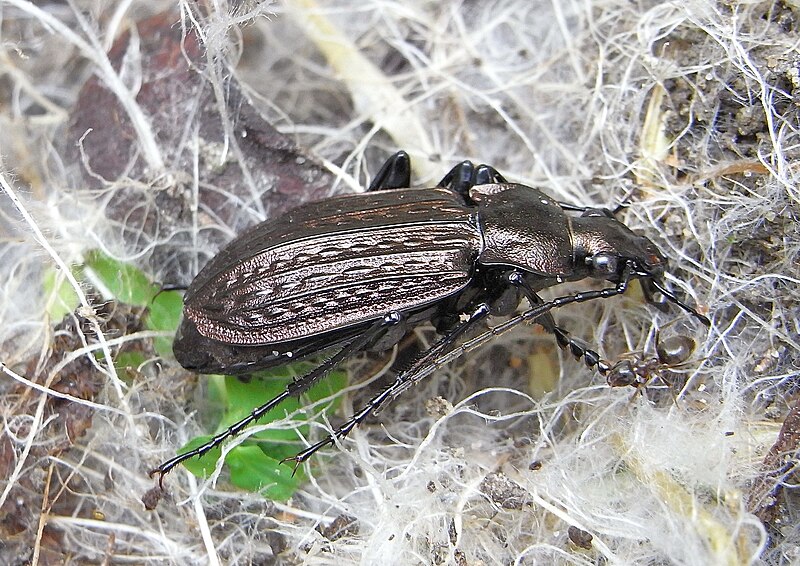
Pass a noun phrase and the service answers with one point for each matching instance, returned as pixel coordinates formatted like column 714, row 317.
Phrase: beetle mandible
column 358, row 271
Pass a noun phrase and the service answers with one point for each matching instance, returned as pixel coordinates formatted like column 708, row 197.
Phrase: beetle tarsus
column 564, row 339
column 673, row 299
column 431, row 359
column 297, row 462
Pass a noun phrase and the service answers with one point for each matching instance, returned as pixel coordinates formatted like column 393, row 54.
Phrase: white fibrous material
column 515, row 453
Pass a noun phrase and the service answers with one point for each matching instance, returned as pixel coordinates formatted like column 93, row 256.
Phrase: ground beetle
column 358, row 271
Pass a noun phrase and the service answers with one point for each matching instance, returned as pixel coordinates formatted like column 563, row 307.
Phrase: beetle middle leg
column 403, row 381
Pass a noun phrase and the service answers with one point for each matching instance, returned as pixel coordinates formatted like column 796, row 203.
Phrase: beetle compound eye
column 605, row 264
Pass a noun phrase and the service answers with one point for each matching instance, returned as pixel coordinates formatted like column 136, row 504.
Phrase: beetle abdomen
column 356, row 269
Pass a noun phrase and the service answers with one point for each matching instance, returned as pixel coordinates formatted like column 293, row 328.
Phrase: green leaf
column 164, row 314
column 124, row 360
column 253, row 471
column 129, row 285
column 335, row 382
column 125, row 283
column 250, row 469
column 242, row 397
column 165, row 311
column 255, row 464
column 62, row 298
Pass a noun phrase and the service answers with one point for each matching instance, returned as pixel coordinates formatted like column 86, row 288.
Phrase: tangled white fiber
column 686, row 111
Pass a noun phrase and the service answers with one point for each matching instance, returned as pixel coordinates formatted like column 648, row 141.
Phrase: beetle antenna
column 669, row 295
column 620, row 207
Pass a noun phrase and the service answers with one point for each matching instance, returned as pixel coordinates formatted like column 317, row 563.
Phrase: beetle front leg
column 395, row 173
column 293, row 389
column 578, row 348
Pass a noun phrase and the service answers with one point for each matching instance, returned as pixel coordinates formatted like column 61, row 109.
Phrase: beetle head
column 607, row 247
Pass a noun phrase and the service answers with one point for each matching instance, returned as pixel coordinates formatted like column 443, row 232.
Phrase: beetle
column 358, row 271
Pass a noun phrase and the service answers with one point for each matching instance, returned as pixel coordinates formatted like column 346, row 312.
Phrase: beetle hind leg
column 487, row 175
column 459, row 178
column 293, row 389
column 466, row 175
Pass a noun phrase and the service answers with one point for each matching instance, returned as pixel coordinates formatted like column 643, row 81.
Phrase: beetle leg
column 293, row 389
column 651, row 293
column 459, row 178
column 437, row 355
column 651, row 283
column 395, row 173
column 466, row 175
column 486, row 175
column 578, row 348
column 530, row 315
column 403, row 381
column 591, row 357
column 591, row 210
